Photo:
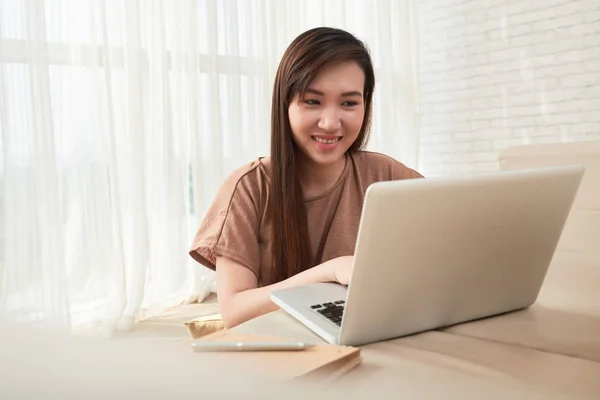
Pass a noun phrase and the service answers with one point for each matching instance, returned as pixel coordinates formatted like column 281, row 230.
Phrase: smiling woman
column 326, row 120
column 292, row 218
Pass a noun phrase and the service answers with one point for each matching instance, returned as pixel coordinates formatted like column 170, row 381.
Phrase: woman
column 292, row 218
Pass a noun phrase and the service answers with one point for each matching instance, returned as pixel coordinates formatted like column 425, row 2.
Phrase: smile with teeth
column 320, row 140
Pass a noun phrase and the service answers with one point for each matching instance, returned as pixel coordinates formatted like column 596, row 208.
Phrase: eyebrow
column 345, row 94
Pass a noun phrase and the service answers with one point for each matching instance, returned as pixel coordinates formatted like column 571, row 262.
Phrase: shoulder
column 372, row 159
column 251, row 175
column 383, row 166
column 230, row 222
column 245, row 184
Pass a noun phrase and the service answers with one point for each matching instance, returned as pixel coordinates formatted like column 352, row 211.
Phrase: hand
column 342, row 269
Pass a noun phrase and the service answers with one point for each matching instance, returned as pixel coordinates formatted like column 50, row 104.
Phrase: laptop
column 435, row 252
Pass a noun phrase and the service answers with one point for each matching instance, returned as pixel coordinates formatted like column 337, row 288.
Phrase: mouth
column 327, row 140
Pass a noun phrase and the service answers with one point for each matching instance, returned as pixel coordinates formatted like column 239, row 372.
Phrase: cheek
column 355, row 122
column 294, row 117
column 299, row 121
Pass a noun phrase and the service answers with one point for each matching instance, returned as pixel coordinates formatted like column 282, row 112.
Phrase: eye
column 312, row 102
column 349, row 103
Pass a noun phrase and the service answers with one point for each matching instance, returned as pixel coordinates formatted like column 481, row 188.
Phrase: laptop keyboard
column 333, row 311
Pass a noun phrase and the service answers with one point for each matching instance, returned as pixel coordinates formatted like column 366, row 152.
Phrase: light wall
column 496, row 74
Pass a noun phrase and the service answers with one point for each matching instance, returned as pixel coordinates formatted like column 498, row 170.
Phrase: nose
column 330, row 120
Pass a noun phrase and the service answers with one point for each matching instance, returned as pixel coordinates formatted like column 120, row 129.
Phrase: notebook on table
column 319, row 362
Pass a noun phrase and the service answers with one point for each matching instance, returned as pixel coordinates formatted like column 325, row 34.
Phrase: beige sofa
column 565, row 320
column 573, row 279
column 580, row 242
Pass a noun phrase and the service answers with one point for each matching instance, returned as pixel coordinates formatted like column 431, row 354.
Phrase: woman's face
column 326, row 120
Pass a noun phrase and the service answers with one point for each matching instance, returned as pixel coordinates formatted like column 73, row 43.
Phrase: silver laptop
column 440, row 251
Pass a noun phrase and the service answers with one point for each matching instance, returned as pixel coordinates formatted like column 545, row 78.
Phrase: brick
column 592, row 40
column 592, row 16
column 437, row 138
column 591, row 136
column 491, row 113
column 489, row 46
column 516, row 121
column 503, row 66
column 517, row 7
column 505, row 54
column 519, row 30
column 577, row 30
column 547, row 139
column 557, row 46
column 592, row 127
column 506, row 77
column 569, row 133
column 479, row 104
column 477, row 38
column 582, row 105
column 530, row 110
column 457, row 52
column 479, row 145
column 533, row 38
column 500, row 126
column 497, row 101
column 498, row 133
column 476, row 16
column 560, row 22
column 537, row 131
column 446, row 23
column 495, row 34
column 464, row 136
column 493, row 3
column 560, row 70
column 500, row 144
column 525, row 18
column 454, row 7
column 433, row 15
column 433, row 58
column 550, row 11
column 569, row 57
column 496, row 12
column 582, row 79
column 576, row 6
column 525, row 99
column 549, row 84
column 479, row 125
column 541, row 5
column 427, row 5
column 485, row 156
column 574, row 93
column 476, row 28
column 571, row 118
column 451, row 147
column 444, row 86
column 517, row 88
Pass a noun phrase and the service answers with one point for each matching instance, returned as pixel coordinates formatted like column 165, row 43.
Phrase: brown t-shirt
column 237, row 225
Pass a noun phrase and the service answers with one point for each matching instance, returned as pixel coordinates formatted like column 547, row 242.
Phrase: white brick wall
column 499, row 73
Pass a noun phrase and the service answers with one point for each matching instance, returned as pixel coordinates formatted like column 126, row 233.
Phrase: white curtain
column 120, row 118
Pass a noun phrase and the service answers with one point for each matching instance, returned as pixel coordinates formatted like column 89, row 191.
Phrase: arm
column 240, row 298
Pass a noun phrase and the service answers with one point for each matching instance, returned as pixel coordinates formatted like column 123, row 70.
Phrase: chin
column 321, row 155
column 326, row 159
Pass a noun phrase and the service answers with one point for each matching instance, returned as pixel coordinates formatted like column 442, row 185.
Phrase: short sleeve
column 230, row 226
column 401, row 171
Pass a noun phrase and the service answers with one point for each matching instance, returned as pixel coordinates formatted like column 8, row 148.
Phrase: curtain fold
column 120, row 119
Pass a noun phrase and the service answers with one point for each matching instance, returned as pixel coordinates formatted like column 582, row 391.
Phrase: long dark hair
column 300, row 64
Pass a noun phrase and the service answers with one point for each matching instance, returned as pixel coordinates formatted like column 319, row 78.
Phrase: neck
column 316, row 179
